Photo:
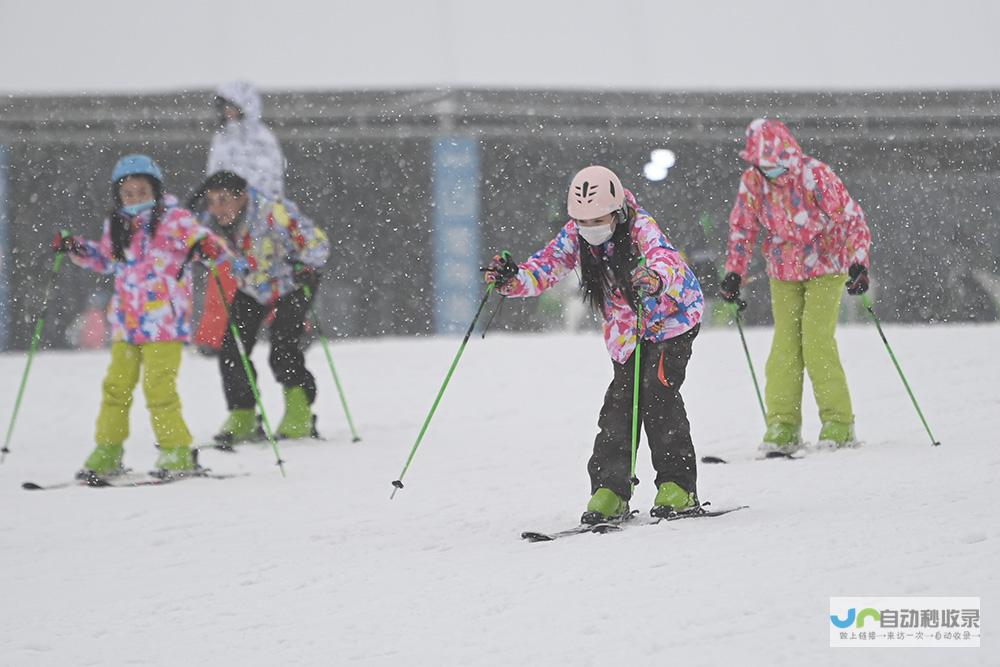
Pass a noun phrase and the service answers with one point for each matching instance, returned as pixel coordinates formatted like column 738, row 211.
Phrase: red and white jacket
column 813, row 227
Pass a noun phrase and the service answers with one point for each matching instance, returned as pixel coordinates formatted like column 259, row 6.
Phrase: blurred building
column 417, row 189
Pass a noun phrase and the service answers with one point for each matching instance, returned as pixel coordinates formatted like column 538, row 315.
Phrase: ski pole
column 329, row 362
column 246, row 367
column 503, row 297
column 56, row 265
column 398, row 484
column 868, row 306
column 633, row 480
column 737, row 309
column 496, row 310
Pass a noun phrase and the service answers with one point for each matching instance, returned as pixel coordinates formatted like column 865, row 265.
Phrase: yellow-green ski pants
column 160, row 363
column 805, row 318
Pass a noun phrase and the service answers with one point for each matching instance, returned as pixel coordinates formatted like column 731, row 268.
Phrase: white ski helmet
column 594, row 192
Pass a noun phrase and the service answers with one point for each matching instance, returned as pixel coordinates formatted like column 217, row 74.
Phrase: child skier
column 285, row 250
column 816, row 240
column 145, row 244
column 244, row 145
column 625, row 259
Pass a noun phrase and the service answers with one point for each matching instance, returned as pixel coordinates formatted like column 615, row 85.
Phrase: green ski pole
column 398, row 484
column 246, row 367
column 635, row 393
column 329, row 362
column 737, row 309
column 868, row 306
column 56, row 265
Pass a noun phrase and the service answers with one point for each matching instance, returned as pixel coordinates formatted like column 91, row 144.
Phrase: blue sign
column 457, row 282
column 5, row 309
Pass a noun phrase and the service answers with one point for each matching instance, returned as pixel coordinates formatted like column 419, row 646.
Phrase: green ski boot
column 240, row 426
column 672, row 499
column 604, row 505
column 298, row 419
column 104, row 461
column 783, row 439
column 176, row 462
column 836, row 435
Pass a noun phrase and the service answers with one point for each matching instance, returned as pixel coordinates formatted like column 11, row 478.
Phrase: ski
column 615, row 526
column 260, row 438
column 770, row 456
column 254, row 444
column 699, row 513
column 611, row 526
column 92, row 480
column 34, row 486
column 126, row 482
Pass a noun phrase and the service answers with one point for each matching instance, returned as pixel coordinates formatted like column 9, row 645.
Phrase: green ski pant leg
column 116, row 395
column 161, row 362
column 819, row 348
column 784, row 369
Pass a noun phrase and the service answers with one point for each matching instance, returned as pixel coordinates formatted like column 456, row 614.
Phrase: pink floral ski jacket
column 813, row 227
column 150, row 305
column 677, row 309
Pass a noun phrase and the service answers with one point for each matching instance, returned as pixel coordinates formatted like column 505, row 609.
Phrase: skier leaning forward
column 817, row 240
column 608, row 236
column 285, row 251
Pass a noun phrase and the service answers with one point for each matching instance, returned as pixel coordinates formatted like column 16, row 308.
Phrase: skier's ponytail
column 602, row 275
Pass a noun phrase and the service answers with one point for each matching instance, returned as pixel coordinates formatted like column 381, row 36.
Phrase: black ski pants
column 287, row 360
column 661, row 413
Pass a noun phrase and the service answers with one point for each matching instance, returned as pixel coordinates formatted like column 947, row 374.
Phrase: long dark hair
column 121, row 225
column 602, row 275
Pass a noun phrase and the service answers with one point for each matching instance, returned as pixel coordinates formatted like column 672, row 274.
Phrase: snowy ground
column 321, row 568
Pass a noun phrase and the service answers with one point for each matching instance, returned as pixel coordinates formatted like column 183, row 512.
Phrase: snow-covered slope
column 322, row 568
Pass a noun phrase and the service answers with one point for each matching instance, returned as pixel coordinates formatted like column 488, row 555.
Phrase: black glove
column 63, row 242
column 646, row 282
column 194, row 201
column 501, row 271
column 858, row 281
column 305, row 276
column 729, row 288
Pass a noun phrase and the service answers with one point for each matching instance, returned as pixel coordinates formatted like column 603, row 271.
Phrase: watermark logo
column 904, row 621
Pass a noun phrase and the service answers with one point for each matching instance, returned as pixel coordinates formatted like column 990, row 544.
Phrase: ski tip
column 788, row 456
column 31, row 486
column 713, row 459
column 535, row 537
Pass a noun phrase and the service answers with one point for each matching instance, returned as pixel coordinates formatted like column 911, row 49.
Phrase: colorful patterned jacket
column 814, row 227
column 246, row 146
column 677, row 309
column 150, row 304
column 274, row 236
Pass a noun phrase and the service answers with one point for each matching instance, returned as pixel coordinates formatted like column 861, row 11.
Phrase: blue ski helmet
column 132, row 165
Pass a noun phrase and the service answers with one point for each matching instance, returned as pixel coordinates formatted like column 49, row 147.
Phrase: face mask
column 133, row 210
column 596, row 235
column 773, row 172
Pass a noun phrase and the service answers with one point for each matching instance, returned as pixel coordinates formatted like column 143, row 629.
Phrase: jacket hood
column 770, row 144
column 243, row 95
column 630, row 198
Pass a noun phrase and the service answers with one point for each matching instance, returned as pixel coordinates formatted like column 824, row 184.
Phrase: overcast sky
column 68, row 46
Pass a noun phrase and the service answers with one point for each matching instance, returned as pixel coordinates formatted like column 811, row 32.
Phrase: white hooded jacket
column 246, row 146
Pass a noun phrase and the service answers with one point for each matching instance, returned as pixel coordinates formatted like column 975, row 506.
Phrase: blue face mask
column 773, row 172
column 135, row 209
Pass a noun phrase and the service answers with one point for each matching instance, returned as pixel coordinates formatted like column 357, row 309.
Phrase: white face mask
column 597, row 234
